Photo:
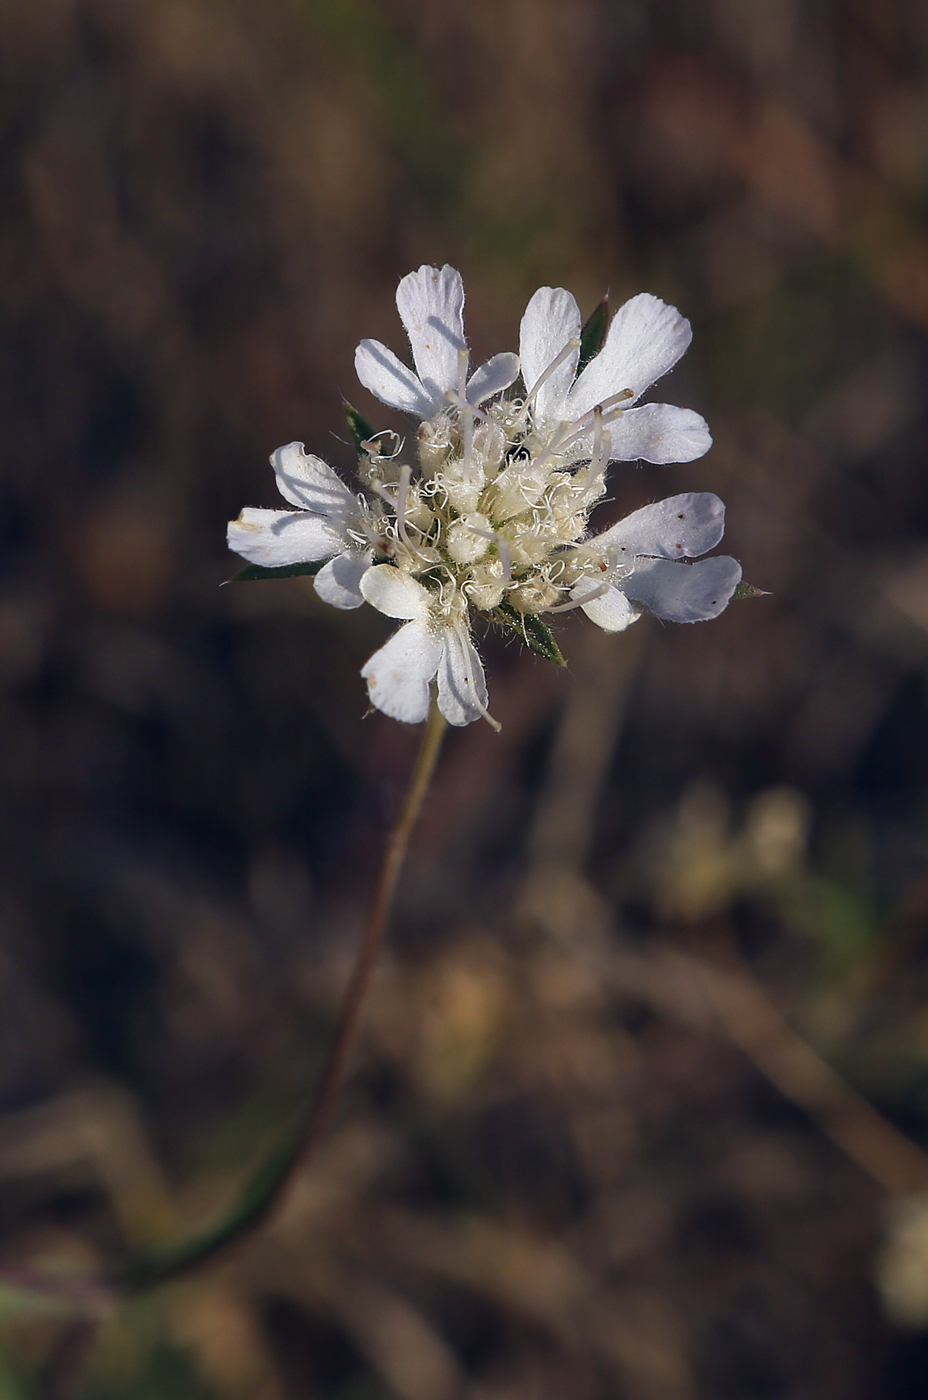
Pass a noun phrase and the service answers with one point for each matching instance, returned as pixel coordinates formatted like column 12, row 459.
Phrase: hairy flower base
column 492, row 513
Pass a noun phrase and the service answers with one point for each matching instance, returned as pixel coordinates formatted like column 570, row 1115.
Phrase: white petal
column 678, row 528
column 684, row 592
column 492, row 377
column 431, row 305
column 274, row 538
column 646, row 339
column 661, row 433
column 337, row 582
column 398, row 675
column 391, row 591
column 391, row 381
column 551, row 318
column 462, row 686
column 610, row 610
column 311, row 484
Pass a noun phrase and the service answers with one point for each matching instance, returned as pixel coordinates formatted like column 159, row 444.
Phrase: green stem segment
column 265, row 1188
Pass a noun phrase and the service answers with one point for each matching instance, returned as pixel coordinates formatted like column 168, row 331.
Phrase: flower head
column 491, row 516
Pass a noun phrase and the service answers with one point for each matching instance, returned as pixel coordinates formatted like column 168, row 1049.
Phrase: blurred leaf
column 535, row 633
column 256, row 571
column 593, row 335
column 12, row 1385
column 18, row 1301
column 169, row 1373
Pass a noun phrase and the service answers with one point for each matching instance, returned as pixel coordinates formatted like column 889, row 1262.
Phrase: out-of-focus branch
column 695, row 991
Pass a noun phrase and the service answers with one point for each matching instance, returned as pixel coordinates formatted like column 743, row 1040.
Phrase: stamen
column 463, row 358
column 505, row 557
column 467, row 422
column 602, row 448
column 380, row 490
column 610, row 409
column 623, row 397
column 579, row 602
column 572, row 345
column 505, row 554
column 402, row 498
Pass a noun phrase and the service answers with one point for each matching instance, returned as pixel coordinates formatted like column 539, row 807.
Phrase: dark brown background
column 581, row 1155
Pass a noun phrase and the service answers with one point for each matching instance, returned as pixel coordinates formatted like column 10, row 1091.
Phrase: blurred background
column 640, row 1111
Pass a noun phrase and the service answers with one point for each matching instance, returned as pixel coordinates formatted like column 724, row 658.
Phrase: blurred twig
column 61, row 1374
column 755, row 1025
column 693, row 990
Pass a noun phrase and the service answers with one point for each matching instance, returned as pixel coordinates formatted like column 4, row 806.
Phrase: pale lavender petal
column 645, row 340
column 431, row 305
column 274, row 538
column 311, row 484
column 492, row 377
column 391, row 381
column 338, row 581
column 684, row 592
column 551, row 318
column 661, row 433
column 462, row 686
column 396, row 594
column 679, row 528
column 398, row 675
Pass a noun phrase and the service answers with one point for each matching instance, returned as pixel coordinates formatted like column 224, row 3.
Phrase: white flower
column 491, row 516
column 434, row 643
column 329, row 523
column 431, row 307
column 645, row 340
column 638, row 564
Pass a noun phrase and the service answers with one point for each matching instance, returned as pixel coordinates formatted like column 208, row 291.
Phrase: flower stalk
column 266, row 1188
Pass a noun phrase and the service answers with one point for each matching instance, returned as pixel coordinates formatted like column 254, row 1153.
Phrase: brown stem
column 381, row 905
column 264, row 1191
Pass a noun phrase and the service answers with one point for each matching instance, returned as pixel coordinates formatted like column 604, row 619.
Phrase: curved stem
column 381, row 905
column 266, row 1187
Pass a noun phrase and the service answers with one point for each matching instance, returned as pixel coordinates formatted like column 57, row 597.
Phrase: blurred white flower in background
column 493, row 515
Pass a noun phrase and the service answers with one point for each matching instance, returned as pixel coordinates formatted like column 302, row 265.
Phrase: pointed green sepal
column 593, row 335
column 535, row 633
column 361, row 430
column 747, row 590
column 256, row 571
